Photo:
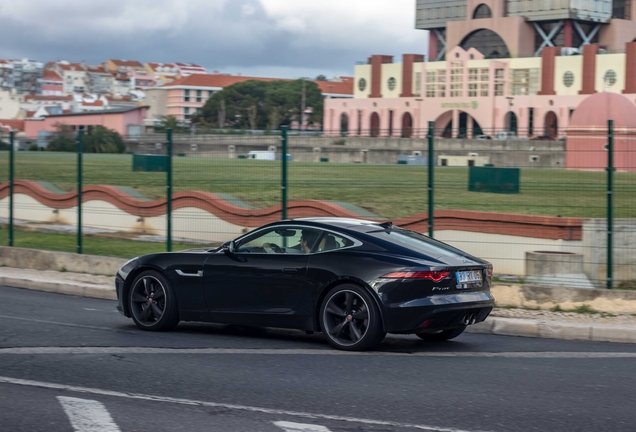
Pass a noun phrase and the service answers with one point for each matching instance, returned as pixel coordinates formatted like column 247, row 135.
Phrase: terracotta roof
column 71, row 66
column 30, row 114
column 154, row 66
column 344, row 87
column 97, row 69
column 119, row 98
column 48, row 98
column 127, row 63
column 50, row 75
column 96, row 103
column 216, row 80
column 189, row 65
column 12, row 124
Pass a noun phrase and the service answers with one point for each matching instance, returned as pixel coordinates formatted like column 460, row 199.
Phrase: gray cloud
column 255, row 37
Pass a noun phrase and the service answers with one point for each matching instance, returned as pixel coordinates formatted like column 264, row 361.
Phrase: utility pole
column 302, row 108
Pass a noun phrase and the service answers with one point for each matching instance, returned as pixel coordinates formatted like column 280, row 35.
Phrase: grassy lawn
column 92, row 245
column 387, row 190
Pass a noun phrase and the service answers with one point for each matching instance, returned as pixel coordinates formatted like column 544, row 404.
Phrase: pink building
column 125, row 121
column 52, row 83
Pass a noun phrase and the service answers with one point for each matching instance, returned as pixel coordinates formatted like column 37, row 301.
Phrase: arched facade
column 407, row 125
column 487, row 42
column 482, row 11
column 551, row 125
column 511, row 122
column 374, row 125
column 344, row 123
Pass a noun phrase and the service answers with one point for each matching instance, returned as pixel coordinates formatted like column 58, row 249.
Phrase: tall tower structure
column 522, row 28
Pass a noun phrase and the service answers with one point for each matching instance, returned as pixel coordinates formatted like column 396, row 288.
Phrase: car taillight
column 489, row 271
column 435, row 276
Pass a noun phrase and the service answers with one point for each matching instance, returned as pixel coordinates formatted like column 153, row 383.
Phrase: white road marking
column 88, row 415
column 137, row 396
column 322, row 352
column 300, row 427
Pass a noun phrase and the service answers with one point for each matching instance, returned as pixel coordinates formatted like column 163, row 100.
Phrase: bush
column 34, row 147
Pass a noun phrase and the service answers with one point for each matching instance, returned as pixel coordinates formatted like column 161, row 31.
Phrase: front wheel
column 350, row 319
column 153, row 303
column 443, row 335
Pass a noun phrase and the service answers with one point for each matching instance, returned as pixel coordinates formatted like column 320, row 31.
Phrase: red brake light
column 489, row 271
column 435, row 276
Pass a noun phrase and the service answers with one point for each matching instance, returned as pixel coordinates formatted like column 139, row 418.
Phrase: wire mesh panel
column 4, row 189
column 364, row 176
column 225, row 184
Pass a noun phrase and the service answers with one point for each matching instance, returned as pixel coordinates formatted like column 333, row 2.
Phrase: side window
column 331, row 241
column 280, row 240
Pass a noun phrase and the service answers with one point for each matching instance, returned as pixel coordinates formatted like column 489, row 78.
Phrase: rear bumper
column 437, row 312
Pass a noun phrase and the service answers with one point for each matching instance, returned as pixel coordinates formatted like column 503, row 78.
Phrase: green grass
column 91, row 245
column 389, row 191
column 584, row 309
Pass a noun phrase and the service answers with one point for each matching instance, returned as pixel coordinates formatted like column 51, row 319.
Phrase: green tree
column 63, row 140
column 261, row 105
column 97, row 139
column 321, row 77
column 103, row 140
column 169, row 121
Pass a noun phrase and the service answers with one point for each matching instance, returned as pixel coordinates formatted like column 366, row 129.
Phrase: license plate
column 468, row 276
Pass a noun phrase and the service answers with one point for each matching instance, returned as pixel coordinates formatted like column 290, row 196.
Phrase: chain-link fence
column 543, row 209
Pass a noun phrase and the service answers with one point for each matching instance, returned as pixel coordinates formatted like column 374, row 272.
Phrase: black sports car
column 353, row 280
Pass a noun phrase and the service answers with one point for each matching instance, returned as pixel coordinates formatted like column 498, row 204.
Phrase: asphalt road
column 75, row 364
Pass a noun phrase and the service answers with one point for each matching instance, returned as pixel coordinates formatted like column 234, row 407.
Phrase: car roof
column 330, row 221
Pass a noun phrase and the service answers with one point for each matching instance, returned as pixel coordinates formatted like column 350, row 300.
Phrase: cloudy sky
column 277, row 38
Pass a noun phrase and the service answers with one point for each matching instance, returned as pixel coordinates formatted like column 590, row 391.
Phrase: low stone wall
column 531, row 296
column 60, row 261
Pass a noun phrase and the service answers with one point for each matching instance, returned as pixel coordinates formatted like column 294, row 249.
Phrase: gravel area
column 546, row 315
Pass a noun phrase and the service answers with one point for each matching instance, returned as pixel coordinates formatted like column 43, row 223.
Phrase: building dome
column 597, row 109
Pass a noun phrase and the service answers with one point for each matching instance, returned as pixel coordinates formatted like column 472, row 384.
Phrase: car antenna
column 387, row 224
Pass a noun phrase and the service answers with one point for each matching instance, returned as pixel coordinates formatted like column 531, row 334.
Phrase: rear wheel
column 443, row 335
column 350, row 319
column 152, row 302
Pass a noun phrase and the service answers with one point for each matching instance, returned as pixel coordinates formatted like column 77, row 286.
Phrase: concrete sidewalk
column 515, row 322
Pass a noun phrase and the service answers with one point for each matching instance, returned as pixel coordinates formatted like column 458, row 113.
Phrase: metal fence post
column 169, row 191
column 610, row 200
column 80, row 149
column 431, row 132
column 283, row 186
column 11, row 175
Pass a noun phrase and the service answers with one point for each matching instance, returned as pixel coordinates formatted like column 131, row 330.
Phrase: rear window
column 417, row 241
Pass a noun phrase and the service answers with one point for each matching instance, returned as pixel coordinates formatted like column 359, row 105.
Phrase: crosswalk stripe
column 88, row 415
column 300, row 427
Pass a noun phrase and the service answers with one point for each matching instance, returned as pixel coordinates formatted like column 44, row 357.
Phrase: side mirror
column 228, row 247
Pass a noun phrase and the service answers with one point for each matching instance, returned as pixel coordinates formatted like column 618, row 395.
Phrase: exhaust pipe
column 470, row 319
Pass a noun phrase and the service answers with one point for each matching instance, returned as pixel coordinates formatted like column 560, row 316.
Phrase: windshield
column 418, row 242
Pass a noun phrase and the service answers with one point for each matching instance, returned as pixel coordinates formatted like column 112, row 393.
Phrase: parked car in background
column 505, row 135
column 353, row 280
column 483, row 137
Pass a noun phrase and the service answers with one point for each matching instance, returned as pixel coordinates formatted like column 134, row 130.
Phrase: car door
column 258, row 283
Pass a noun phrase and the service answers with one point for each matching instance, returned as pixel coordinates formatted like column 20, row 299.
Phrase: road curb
column 67, row 287
column 555, row 330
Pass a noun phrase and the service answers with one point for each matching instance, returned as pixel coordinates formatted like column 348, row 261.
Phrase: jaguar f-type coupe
column 353, row 280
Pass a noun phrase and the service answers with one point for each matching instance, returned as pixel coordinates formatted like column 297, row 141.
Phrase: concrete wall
column 61, row 261
column 381, row 150
column 595, row 249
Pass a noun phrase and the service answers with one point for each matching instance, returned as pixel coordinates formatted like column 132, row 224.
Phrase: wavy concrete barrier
column 543, row 227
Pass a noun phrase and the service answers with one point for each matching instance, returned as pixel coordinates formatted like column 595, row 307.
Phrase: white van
column 505, row 135
column 262, row 155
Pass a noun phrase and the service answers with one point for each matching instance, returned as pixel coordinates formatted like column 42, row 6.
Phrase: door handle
column 290, row 270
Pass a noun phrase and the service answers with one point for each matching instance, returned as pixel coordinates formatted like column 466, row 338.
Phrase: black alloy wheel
column 443, row 335
column 350, row 319
column 153, row 303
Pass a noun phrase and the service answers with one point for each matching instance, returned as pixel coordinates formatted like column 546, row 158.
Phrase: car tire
column 350, row 319
column 443, row 335
column 152, row 302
